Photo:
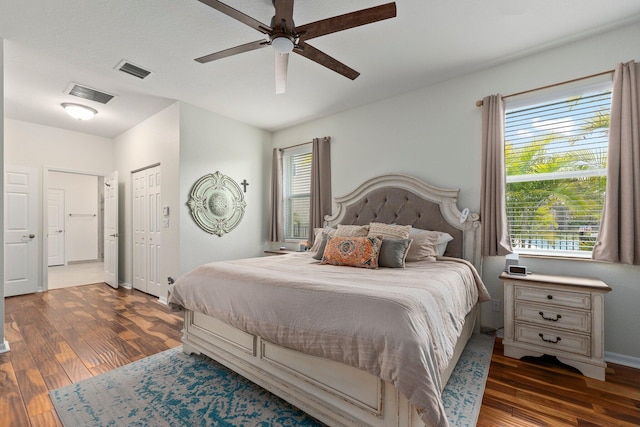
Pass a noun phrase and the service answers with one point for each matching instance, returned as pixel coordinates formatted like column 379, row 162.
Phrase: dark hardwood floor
column 543, row 393
column 66, row 335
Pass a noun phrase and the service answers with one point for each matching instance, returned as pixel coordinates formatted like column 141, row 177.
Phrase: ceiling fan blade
column 346, row 21
column 233, row 51
column 236, row 14
column 284, row 15
column 322, row 58
column 282, row 64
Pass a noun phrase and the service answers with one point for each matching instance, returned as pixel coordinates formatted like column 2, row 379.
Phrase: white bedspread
column 398, row 324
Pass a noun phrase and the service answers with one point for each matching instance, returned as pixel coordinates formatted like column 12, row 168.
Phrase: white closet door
column 138, row 181
column 154, row 215
column 147, row 223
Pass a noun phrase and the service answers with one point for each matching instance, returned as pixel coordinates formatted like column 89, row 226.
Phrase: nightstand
column 561, row 316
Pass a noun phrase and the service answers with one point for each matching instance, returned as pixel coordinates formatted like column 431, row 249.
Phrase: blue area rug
column 462, row 396
column 175, row 389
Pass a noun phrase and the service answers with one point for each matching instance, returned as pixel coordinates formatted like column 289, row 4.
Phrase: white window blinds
column 555, row 158
column 296, row 184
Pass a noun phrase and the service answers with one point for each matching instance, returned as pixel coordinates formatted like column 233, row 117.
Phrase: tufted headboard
column 405, row 200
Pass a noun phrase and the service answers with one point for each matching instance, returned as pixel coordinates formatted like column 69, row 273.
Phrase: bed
column 309, row 331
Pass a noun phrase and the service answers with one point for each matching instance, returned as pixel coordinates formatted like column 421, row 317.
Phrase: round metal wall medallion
column 217, row 203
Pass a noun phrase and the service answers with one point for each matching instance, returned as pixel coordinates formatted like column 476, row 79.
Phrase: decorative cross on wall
column 244, row 184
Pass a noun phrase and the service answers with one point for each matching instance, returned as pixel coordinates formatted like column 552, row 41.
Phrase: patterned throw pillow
column 389, row 231
column 352, row 251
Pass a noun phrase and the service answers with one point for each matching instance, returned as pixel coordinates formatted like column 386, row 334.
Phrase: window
column 556, row 159
column 296, row 187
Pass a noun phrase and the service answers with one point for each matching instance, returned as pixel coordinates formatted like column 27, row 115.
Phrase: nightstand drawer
column 556, row 317
column 553, row 296
column 553, row 339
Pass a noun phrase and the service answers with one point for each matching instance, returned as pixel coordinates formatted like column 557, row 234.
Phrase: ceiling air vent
column 134, row 70
column 88, row 93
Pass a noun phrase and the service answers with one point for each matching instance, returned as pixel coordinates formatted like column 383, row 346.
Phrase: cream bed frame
column 332, row 392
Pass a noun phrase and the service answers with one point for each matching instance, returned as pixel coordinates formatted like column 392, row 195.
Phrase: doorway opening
column 74, row 215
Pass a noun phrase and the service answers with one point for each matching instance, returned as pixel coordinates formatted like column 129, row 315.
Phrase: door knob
column 31, row 236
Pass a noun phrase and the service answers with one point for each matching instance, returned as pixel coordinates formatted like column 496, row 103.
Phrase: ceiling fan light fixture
column 79, row 112
column 282, row 44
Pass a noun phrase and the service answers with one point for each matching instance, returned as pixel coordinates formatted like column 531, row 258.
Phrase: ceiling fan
column 285, row 37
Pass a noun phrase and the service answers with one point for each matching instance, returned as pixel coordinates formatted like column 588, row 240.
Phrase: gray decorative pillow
column 393, row 252
column 317, row 237
column 323, row 243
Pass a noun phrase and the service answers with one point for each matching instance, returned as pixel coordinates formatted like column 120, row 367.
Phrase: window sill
column 558, row 257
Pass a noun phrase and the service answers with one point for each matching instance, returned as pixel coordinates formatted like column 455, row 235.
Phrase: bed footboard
column 332, row 392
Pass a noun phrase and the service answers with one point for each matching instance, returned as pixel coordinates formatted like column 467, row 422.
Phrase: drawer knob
column 541, row 335
column 558, row 317
column 549, row 296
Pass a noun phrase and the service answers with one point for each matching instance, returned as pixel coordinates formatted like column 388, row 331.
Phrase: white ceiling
column 51, row 43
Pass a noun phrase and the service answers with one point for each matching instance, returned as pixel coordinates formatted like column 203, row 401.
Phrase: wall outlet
column 496, row 305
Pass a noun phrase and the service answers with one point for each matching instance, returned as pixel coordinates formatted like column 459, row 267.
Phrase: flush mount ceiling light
column 79, row 112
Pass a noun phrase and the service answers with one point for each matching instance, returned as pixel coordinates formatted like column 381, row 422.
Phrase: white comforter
column 398, row 324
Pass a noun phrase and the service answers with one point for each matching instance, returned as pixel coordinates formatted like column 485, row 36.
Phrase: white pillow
column 442, row 239
column 352, row 230
column 389, row 231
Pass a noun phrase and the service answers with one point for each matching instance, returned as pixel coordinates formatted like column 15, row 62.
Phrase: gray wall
column 189, row 142
column 154, row 141
column 211, row 143
column 434, row 134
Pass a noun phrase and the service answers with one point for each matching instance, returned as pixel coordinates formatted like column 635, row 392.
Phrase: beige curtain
column 276, row 226
column 320, row 183
column 619, row 237
column 493, row 211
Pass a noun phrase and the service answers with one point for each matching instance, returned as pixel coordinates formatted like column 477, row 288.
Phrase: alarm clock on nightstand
column 517, row 270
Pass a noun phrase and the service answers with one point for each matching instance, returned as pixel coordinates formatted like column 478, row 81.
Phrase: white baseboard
column 621, row 359
column 4, row 347
column 125, row 285
column 162, row 300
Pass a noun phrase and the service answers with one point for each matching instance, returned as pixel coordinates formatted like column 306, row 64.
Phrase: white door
column 154, row 213
column 139, row 211
column 55, row 224
column 20, row 231
column 147, row 223
column 111, row 230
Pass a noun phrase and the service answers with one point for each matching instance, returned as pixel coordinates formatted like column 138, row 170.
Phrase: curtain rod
column 294, row 146
column 299, row 145
column 479, row 102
